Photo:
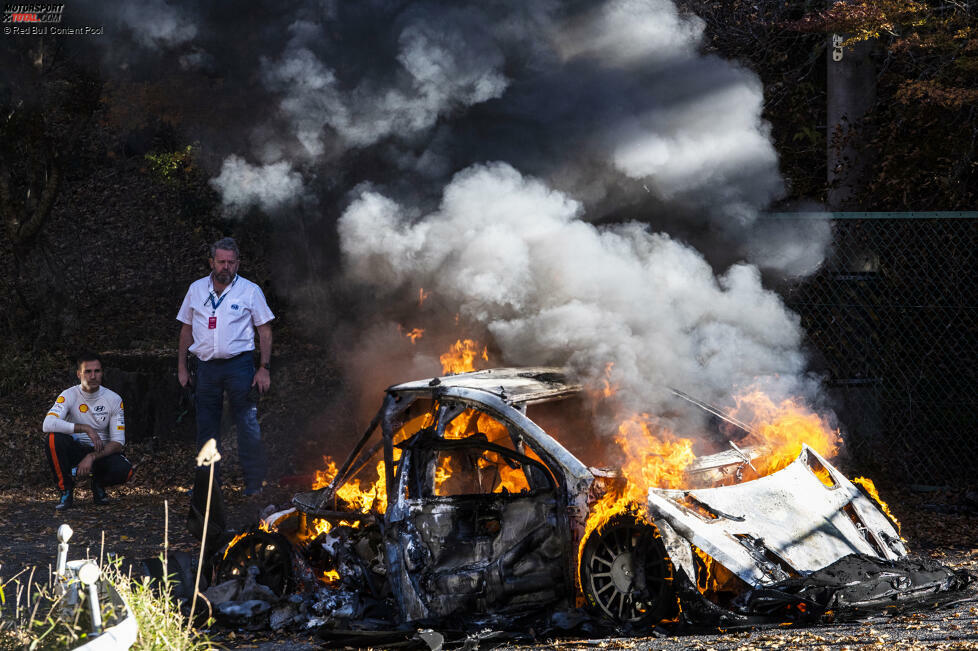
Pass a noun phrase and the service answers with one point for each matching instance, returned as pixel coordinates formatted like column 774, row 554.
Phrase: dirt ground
column 937, row 524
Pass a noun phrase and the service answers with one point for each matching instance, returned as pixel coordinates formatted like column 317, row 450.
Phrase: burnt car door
column 474, row 530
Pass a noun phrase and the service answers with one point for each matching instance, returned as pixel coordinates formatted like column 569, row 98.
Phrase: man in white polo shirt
column 86, row 430
column 220, row 315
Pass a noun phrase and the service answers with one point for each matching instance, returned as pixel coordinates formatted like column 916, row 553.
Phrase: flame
column 824, row 477
column 443, row 473
column 355, row 494
column 325, row 476
column 461, row 357
column 422, row 295
column 654, row 457
column 234, row 541
column 706, row 581
column 372, row 497
column 715, row 577
column 781, row 429
column 608, row 389
column 509, row 480
column 414, row 334
column 871, row 489
column 471, row 422
column 363, row 499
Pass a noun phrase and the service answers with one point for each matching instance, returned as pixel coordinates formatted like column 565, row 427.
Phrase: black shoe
column 98, row 493
column 65, row 502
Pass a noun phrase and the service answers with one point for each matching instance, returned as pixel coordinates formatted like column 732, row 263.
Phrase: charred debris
column 480, row 526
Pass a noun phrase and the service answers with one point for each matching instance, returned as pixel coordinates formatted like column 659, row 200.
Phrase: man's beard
column 223, row 277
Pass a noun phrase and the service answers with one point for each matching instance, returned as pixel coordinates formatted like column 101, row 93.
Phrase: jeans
column 234, row 376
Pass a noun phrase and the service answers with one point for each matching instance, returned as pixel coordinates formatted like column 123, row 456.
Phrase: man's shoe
column 65, row 502
column 98, row 493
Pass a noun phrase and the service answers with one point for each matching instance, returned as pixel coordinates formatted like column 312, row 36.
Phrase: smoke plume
column 550, row 288
column 575, row 180
column 269, row 187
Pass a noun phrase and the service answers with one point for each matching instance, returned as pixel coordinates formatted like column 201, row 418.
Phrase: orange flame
column 234, row 541
column 365, row 500
column 712, row 577
column 325, row 476
column 461, row 357
column 654, row 457
column 608, row 388
column 422, row 295
column 443, row 473
column 510, row 480
column 414, row 334
column 781, row 429
column 871, row 489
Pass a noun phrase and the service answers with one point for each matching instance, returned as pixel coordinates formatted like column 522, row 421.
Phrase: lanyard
column 217, row 304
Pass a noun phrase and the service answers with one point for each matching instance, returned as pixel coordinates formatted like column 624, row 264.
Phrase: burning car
column 479, row 512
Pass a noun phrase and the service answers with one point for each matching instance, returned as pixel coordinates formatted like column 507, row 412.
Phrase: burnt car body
column 505, row 534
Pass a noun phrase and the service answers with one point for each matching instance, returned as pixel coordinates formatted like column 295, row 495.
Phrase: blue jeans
column 233, row 375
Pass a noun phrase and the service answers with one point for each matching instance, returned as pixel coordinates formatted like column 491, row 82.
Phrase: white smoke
column 626, row 32
column 268, row 187
column 515, row 255
column 442, row 66
column 613, row 104
column 794, row 245
column 157, row 24
column 699, row 148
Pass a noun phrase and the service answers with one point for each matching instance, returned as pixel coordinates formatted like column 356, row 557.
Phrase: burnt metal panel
column 789, row 519
column 514, row 385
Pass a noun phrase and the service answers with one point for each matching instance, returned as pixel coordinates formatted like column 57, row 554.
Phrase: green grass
column 33, row 617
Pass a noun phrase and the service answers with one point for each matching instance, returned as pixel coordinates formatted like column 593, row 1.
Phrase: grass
column 161, row 623
column 34, row 617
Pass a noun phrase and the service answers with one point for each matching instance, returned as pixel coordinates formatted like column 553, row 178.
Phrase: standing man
column 220, row 314
column 86, row 430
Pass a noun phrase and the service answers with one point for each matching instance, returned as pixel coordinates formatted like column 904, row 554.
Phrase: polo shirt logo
column 234, row 306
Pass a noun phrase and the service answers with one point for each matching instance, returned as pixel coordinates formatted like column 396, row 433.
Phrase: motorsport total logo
column 41, row 19
column 32, row 13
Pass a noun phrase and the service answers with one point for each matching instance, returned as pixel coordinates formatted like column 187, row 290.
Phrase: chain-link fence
column 892, row 318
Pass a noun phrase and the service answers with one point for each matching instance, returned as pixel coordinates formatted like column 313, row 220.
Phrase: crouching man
column 85, row 432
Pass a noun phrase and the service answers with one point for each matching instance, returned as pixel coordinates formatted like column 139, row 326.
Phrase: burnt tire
column 271, row 553
column 625, row 573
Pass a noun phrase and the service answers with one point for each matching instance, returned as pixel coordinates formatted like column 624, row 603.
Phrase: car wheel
column 625, row 573
column 270, row 553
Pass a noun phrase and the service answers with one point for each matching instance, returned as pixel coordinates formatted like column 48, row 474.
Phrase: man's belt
column 215, row 360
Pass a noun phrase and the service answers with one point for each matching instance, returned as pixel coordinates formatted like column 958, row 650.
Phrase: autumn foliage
column 922, row 131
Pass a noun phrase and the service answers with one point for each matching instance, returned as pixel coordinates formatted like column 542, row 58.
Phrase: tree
column 47, row 102
column 924, row 125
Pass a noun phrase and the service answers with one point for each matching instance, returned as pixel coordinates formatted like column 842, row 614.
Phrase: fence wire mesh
column 892, row 319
